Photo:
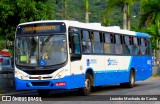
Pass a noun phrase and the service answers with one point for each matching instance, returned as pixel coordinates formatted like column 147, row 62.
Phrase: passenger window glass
column 118, row 45
column 143, row 42
column 127, row 40
column 96, row 36
column 85, row 35
column 76, row 44
column 143, row 46
column 135, row 41
column 96, row 44
column 107, row 38
column 108, row 47
column 118, row 41
column 148, row 47
column 86, row 42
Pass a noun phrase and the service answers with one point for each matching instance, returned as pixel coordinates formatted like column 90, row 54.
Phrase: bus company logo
column 91, row 61
column 112, row 62
column 88, row 62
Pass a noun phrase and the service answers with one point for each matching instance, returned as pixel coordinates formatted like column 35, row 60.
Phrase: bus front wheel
column 88, row 84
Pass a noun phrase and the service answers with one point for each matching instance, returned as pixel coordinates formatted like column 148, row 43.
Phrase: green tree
column 87, row 11
column 125, row 5
column 150, row 19
column 14, row 12
column 150, row 13
column 64, row 10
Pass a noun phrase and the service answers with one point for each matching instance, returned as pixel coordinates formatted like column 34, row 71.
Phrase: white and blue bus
column 56, row 54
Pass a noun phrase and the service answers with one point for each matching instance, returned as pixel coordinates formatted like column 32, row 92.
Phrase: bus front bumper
column 68, row 82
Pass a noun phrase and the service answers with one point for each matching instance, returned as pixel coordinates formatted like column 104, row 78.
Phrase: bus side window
column 143, row 46
column 118, row 45
column 96, row 42
column 86, row 42
column 148, row 47
column 130, row 46
column 108, row 45
column 74, row 44
column 135, row 46
column 126, row 45
column 139, row 45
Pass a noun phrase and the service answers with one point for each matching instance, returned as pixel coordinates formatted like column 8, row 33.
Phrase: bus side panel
column 111, row 77
column 76, row 69
column 116, row 71
column 142, row 66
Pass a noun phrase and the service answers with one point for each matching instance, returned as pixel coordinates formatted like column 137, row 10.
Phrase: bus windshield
column 41, row 50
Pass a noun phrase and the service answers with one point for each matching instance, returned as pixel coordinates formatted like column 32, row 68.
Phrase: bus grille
column 38, row 77
column 40, row 83
column 39, row 72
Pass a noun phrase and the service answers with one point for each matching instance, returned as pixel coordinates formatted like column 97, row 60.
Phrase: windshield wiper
column 49, row 37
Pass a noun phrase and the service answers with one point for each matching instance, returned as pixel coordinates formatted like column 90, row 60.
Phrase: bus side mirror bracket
column 75, row 57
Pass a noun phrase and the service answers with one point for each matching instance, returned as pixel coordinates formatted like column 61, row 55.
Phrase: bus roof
column 94, row 26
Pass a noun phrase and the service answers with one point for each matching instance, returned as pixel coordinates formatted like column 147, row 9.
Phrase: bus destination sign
column 41, row 28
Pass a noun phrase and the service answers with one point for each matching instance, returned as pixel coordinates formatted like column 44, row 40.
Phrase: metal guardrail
column 6, row 82
column 7, row 71
column 156, row 70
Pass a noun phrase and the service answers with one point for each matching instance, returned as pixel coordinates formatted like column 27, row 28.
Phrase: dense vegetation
column 146, row 19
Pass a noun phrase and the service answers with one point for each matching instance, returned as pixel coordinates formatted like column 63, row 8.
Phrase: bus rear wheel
column 88, row 85
column 131, row 82
column 43, row 93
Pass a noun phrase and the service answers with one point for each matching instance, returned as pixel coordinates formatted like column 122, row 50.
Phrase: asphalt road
column 103, row 95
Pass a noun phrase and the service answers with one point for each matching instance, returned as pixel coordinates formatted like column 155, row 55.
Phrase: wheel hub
column 87, row 84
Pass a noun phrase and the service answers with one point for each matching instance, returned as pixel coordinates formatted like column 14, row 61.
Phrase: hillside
column 76, row 11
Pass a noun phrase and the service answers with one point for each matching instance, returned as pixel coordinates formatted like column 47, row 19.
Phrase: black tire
column 131, row 82
column 43, row 93
column 88, row 85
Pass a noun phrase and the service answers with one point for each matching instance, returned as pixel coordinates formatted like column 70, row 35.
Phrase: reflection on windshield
column 41, row 50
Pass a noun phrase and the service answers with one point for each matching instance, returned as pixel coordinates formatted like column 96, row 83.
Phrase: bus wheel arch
column 131, row 78
column 131, row 82
column 88, row 83
column 90, row 72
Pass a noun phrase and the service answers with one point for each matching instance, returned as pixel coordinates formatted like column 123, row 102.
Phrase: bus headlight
column 19, row 75
column 60, row 75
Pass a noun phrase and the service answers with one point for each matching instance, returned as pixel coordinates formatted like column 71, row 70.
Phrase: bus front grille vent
column 40, row 83
column 39, row 78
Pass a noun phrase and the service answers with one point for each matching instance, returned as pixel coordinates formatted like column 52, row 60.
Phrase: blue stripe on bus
column 142, row 34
